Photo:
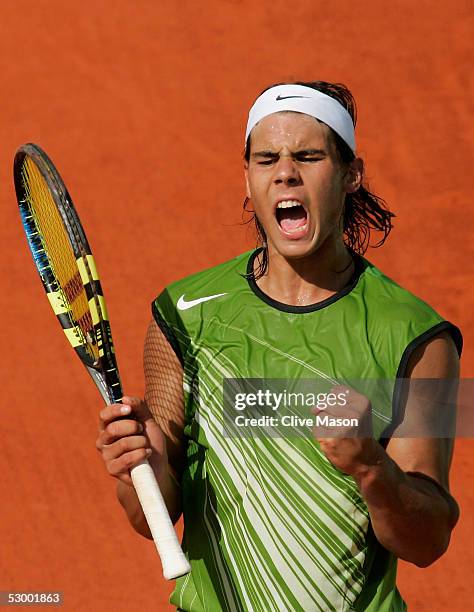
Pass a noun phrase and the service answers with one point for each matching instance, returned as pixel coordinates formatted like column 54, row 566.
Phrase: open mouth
column 291, row 217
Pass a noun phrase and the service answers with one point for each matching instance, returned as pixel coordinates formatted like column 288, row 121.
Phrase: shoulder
column 182, row 306
column 389, row 297
column 397, row 321
column 217, row 279
column 395, row 306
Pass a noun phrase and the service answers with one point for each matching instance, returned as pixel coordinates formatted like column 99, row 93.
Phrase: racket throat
column 101, row 384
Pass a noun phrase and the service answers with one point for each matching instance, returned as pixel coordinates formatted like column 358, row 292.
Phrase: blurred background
column 142, row 106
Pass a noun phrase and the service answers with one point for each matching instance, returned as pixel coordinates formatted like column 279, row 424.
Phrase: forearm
column 411, row 516
column 128, row 498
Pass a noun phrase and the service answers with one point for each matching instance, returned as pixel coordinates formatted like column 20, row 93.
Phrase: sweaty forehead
column 291, row 129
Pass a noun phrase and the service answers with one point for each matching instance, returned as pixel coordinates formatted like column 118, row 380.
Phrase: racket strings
column 73, row 288
column 60, row 255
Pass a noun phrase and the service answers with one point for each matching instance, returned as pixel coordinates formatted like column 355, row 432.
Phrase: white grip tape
column 172, row 557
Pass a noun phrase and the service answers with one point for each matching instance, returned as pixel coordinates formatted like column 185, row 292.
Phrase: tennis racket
column 65, row 264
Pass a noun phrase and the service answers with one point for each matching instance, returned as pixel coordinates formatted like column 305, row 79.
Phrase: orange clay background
column 142, row 106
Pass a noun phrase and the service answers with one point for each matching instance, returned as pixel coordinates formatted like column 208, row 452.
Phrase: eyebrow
column 302, row 152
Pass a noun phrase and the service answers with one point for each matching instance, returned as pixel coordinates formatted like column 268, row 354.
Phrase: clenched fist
column 344, row 432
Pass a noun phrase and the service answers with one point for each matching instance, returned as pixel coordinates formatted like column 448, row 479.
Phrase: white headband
column 302, row 99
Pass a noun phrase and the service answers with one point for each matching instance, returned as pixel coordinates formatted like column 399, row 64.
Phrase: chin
column 295, row 249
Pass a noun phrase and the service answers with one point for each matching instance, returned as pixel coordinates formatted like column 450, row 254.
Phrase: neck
column 308, row 280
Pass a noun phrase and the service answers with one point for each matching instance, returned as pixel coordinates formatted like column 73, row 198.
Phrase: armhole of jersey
column 398, row 398
column 167, row 332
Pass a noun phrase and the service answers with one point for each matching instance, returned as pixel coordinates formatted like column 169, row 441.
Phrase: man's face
column 297, row 183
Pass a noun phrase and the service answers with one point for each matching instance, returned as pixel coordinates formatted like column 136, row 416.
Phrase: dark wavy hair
column 363, row 210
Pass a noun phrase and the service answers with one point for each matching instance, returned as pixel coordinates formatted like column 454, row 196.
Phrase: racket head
column 64, row 261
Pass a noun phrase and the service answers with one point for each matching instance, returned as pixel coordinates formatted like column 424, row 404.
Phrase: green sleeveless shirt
column 269, row 523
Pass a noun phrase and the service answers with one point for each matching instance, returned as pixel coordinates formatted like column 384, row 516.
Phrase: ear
column 247, row 185
column 355, row 175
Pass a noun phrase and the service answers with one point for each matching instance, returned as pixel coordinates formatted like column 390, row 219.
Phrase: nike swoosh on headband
column 182, row 304
column 286, row 97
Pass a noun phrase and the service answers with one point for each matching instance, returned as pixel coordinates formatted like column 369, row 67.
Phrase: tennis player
column 280, row 523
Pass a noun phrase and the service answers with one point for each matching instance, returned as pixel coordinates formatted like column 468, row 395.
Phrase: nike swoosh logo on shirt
column 182, row 304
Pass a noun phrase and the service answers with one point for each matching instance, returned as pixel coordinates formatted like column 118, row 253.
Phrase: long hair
column 363, row 211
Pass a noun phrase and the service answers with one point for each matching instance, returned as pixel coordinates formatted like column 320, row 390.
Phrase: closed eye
column 309, row 155
column 267, row 158
column 308, row 158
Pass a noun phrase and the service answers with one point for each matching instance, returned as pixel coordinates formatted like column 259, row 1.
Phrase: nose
column 286, row 171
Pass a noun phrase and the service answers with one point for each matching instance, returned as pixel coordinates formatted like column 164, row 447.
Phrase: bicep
column 164, row 392
column 433, row 371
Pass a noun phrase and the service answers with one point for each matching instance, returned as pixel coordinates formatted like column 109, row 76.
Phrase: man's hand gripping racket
column 64, row 261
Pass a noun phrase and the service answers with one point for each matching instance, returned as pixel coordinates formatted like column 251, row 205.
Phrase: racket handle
column 172, row 557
